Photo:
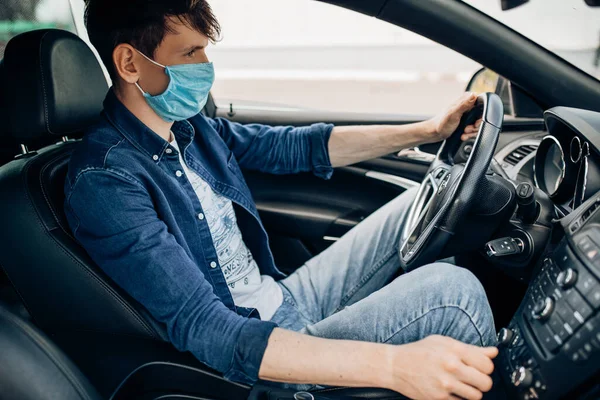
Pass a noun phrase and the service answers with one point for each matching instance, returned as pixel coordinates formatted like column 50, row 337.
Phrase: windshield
column 568, row 28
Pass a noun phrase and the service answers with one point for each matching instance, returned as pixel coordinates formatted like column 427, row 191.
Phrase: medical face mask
column 187, row 93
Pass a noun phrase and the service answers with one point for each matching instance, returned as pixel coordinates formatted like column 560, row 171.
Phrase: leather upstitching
column 48, row 202
column 45, row 95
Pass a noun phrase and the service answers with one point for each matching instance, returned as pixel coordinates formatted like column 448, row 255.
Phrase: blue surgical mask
column 187, row 93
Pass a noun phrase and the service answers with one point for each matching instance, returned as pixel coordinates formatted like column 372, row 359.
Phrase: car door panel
column 303, row 214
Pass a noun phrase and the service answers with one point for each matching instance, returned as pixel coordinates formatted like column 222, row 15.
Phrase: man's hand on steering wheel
column 446, row 122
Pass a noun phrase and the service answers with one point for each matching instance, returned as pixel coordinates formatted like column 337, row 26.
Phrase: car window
column 308, row 54
column 568, row 28
column 18, row 16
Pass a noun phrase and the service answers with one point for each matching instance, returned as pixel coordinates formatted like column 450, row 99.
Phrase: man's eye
column 191, row 53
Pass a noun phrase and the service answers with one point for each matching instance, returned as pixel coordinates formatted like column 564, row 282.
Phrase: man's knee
column 452, row 280
column 451, row 285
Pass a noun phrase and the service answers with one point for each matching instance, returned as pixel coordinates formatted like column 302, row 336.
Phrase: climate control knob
column 505, row 336
column 567, row 278
column 542, row 309
column 522, row 378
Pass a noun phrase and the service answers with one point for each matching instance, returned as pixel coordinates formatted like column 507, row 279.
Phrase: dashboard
column 563, row 162
column 551, row 347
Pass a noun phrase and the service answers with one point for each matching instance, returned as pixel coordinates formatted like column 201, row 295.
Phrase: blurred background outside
column 307, row 54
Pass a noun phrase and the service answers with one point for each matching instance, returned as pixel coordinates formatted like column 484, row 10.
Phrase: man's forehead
column 183, row 34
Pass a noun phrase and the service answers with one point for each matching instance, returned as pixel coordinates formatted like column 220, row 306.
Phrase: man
column 156, row 196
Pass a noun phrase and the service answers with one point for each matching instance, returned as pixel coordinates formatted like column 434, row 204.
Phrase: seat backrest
column 56, row 87
column 33, row 368
column 8, row 147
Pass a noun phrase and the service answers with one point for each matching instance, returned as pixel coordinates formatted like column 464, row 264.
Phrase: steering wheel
column 449, row 190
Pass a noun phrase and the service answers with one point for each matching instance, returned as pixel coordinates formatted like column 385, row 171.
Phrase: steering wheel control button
column 504, row 247
column 522, row 378
column 505, row 336
column 567, row 278
column 542, row 309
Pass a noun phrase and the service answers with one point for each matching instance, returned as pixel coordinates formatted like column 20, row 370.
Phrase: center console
column 551, row 348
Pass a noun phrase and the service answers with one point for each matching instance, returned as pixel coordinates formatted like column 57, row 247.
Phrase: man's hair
column 143, row 24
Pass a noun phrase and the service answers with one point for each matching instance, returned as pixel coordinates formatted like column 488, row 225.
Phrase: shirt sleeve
column 278, row 150
column 112, row 216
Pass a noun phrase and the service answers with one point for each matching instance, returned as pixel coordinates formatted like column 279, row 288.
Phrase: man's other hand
column 446, row 123
column 439, row 367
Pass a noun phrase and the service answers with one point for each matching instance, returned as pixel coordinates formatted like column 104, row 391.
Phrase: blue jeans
column 349, row 291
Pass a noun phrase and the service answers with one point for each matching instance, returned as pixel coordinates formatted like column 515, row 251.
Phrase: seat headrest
column 54, row 85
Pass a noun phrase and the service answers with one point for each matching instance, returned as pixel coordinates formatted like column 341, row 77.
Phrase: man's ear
column 125, row 61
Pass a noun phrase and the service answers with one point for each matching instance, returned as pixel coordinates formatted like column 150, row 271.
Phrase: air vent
column 519, row 153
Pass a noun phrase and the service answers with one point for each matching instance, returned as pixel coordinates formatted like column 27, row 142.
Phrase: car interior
column 521, row 201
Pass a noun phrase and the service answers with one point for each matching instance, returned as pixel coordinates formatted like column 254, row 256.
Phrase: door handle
column 416, row 154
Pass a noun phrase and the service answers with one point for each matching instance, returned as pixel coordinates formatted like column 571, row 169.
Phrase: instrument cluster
column 566, row 164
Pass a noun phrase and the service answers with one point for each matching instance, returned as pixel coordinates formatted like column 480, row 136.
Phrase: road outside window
column 307, row 54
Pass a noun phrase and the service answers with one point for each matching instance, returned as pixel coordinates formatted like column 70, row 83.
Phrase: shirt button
column 168, row 151
column 200, row 216
column 155, row 157
column 213, row 264
column 178, row 173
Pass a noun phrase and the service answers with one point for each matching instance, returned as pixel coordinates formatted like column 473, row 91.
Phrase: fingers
column 491, row 351
column 475, row 378
column 464, row 391
column 480, row 358
column 466, row 102
column 471, row 131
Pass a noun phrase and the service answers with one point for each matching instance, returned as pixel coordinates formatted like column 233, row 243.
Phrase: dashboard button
column 567, row 315
column 542, row 309
column 505, row 336
column 567, row 278
column 585, row 244
column 594, row 297
column 548, row 338
column 557, row 326
column 578, row 304
column 589, row 248
column 536, row 294
column 586, row 282
column 522, row 378
column 546, row 284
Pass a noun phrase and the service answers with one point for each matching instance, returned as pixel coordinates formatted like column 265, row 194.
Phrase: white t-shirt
column 247, row 286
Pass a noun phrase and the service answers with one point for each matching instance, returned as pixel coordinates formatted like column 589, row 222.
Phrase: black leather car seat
column 33, row 368
column 8, row 147
column 56, row 87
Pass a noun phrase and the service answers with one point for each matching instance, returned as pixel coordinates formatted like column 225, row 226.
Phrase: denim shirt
column 132, row 208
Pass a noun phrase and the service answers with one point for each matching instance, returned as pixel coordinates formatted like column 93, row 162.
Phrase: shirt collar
column 134, row 130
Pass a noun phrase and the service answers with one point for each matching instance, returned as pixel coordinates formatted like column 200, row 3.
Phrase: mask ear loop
column 153, row 62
